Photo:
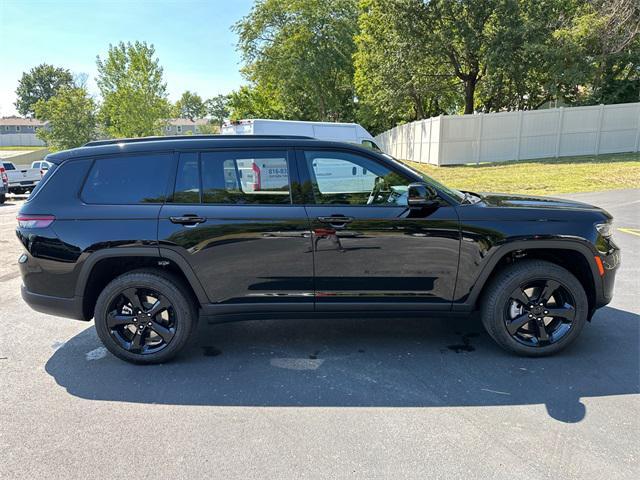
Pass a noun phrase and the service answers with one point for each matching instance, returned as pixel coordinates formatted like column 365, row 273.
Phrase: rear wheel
column 3, row 198
column 534, row 308
column 144, row 317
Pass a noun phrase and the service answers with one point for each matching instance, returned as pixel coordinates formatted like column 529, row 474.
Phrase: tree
column 72, row 118
column 605, row 36
column 298, row 55
column 134, row 94
column 191, row 106
column 397, row 77
column 417, row 58
column 218, row 109
column 40, row 83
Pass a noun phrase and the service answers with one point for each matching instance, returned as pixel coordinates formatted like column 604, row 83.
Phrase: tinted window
column 128, row 179
column 348, row 179
column 8, row 166
column 41, row 183
column 245, row 177
column 187, row 188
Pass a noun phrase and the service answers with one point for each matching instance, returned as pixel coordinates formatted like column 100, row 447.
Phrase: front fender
column 475, row 273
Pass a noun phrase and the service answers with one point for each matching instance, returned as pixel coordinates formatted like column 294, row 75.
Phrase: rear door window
column 128, row 179
column 233, row 177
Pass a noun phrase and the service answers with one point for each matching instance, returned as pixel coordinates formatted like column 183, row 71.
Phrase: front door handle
column 336, row 220
column 188, row 219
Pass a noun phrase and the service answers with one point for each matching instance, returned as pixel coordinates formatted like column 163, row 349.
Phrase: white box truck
column 337, row 132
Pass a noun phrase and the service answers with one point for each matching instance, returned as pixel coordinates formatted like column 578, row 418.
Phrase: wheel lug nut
column 530, row 316
column 541, row 304
column 149, row 323
column 546, row 311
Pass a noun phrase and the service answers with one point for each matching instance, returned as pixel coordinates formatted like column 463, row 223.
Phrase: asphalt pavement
column 384, row 398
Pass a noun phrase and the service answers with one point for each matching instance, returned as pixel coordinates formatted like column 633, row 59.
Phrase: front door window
column 341, row 178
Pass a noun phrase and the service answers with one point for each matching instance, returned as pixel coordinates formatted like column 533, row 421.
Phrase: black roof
column 168, row 143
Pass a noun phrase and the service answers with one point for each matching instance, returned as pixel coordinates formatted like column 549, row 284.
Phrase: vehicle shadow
column 362, row 363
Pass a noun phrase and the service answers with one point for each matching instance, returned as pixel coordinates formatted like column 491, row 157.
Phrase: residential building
column 184, row 126
column 18, row 131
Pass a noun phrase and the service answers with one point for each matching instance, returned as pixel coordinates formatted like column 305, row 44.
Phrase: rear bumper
column 58, row 306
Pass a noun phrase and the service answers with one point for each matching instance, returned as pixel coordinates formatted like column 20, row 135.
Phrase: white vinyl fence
column 20, row 140
column 494, row 137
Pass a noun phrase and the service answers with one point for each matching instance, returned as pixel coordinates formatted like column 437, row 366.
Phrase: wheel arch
column 104, row 265
column 573, row 255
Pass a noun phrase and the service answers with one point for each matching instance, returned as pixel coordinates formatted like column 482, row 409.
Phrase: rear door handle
column 336, row 220
column 188, row 219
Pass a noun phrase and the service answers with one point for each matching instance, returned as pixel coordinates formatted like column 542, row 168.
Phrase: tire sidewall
column 183, row 310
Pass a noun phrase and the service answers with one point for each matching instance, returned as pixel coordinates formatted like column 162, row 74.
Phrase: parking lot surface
column 392, row 398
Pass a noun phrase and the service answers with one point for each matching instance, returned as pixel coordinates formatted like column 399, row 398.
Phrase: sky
column 193, row 40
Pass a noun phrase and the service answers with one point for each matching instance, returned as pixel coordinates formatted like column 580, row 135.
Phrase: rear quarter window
column 128, row 179
column 42, row 182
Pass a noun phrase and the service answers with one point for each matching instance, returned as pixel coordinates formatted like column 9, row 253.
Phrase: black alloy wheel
column 141, row 320
column 540, row 312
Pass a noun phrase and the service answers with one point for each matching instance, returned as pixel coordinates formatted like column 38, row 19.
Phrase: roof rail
column 115, row 141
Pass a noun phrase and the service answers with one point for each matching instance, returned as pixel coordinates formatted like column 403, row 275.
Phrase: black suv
column 146, row 236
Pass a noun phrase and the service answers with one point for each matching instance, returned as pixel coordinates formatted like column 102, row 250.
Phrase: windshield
column 453, row 193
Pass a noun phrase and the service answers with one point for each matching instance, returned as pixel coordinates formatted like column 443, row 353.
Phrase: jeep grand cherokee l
column 146, row 236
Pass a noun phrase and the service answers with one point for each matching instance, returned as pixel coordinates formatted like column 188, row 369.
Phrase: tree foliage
column 604, row 36
column 298, row 60
column 72, row 118
column 418, row 58
column 218, row 109
column 190, row 106
column 396, row 77
column 40, row 83
column 256, row 102
column 134, row 94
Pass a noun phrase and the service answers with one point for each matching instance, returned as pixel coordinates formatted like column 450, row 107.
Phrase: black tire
column 176, row 322
column 3, row 198
column 503, row 309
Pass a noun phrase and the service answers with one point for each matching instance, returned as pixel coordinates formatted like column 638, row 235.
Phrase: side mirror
column 421, row 195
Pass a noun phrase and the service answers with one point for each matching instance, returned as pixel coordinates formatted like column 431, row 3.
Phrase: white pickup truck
column 21, row 180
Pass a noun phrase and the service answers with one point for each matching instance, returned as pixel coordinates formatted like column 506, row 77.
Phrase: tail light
column 35, row 221
column 3, row 175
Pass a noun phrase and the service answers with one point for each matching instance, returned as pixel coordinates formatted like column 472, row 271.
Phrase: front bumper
column 58, row 306
column 610, row 262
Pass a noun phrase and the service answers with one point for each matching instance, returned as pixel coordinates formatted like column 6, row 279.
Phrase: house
column 18, row 131
column 185, row 126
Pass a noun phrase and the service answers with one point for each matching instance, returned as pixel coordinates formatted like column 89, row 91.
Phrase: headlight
column 605, row 229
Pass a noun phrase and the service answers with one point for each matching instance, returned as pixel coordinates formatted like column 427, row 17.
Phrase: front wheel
column 534, row 308
column 144, row 317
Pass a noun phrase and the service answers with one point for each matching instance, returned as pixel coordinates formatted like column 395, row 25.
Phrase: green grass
column 544, row 176
column 22, row 148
